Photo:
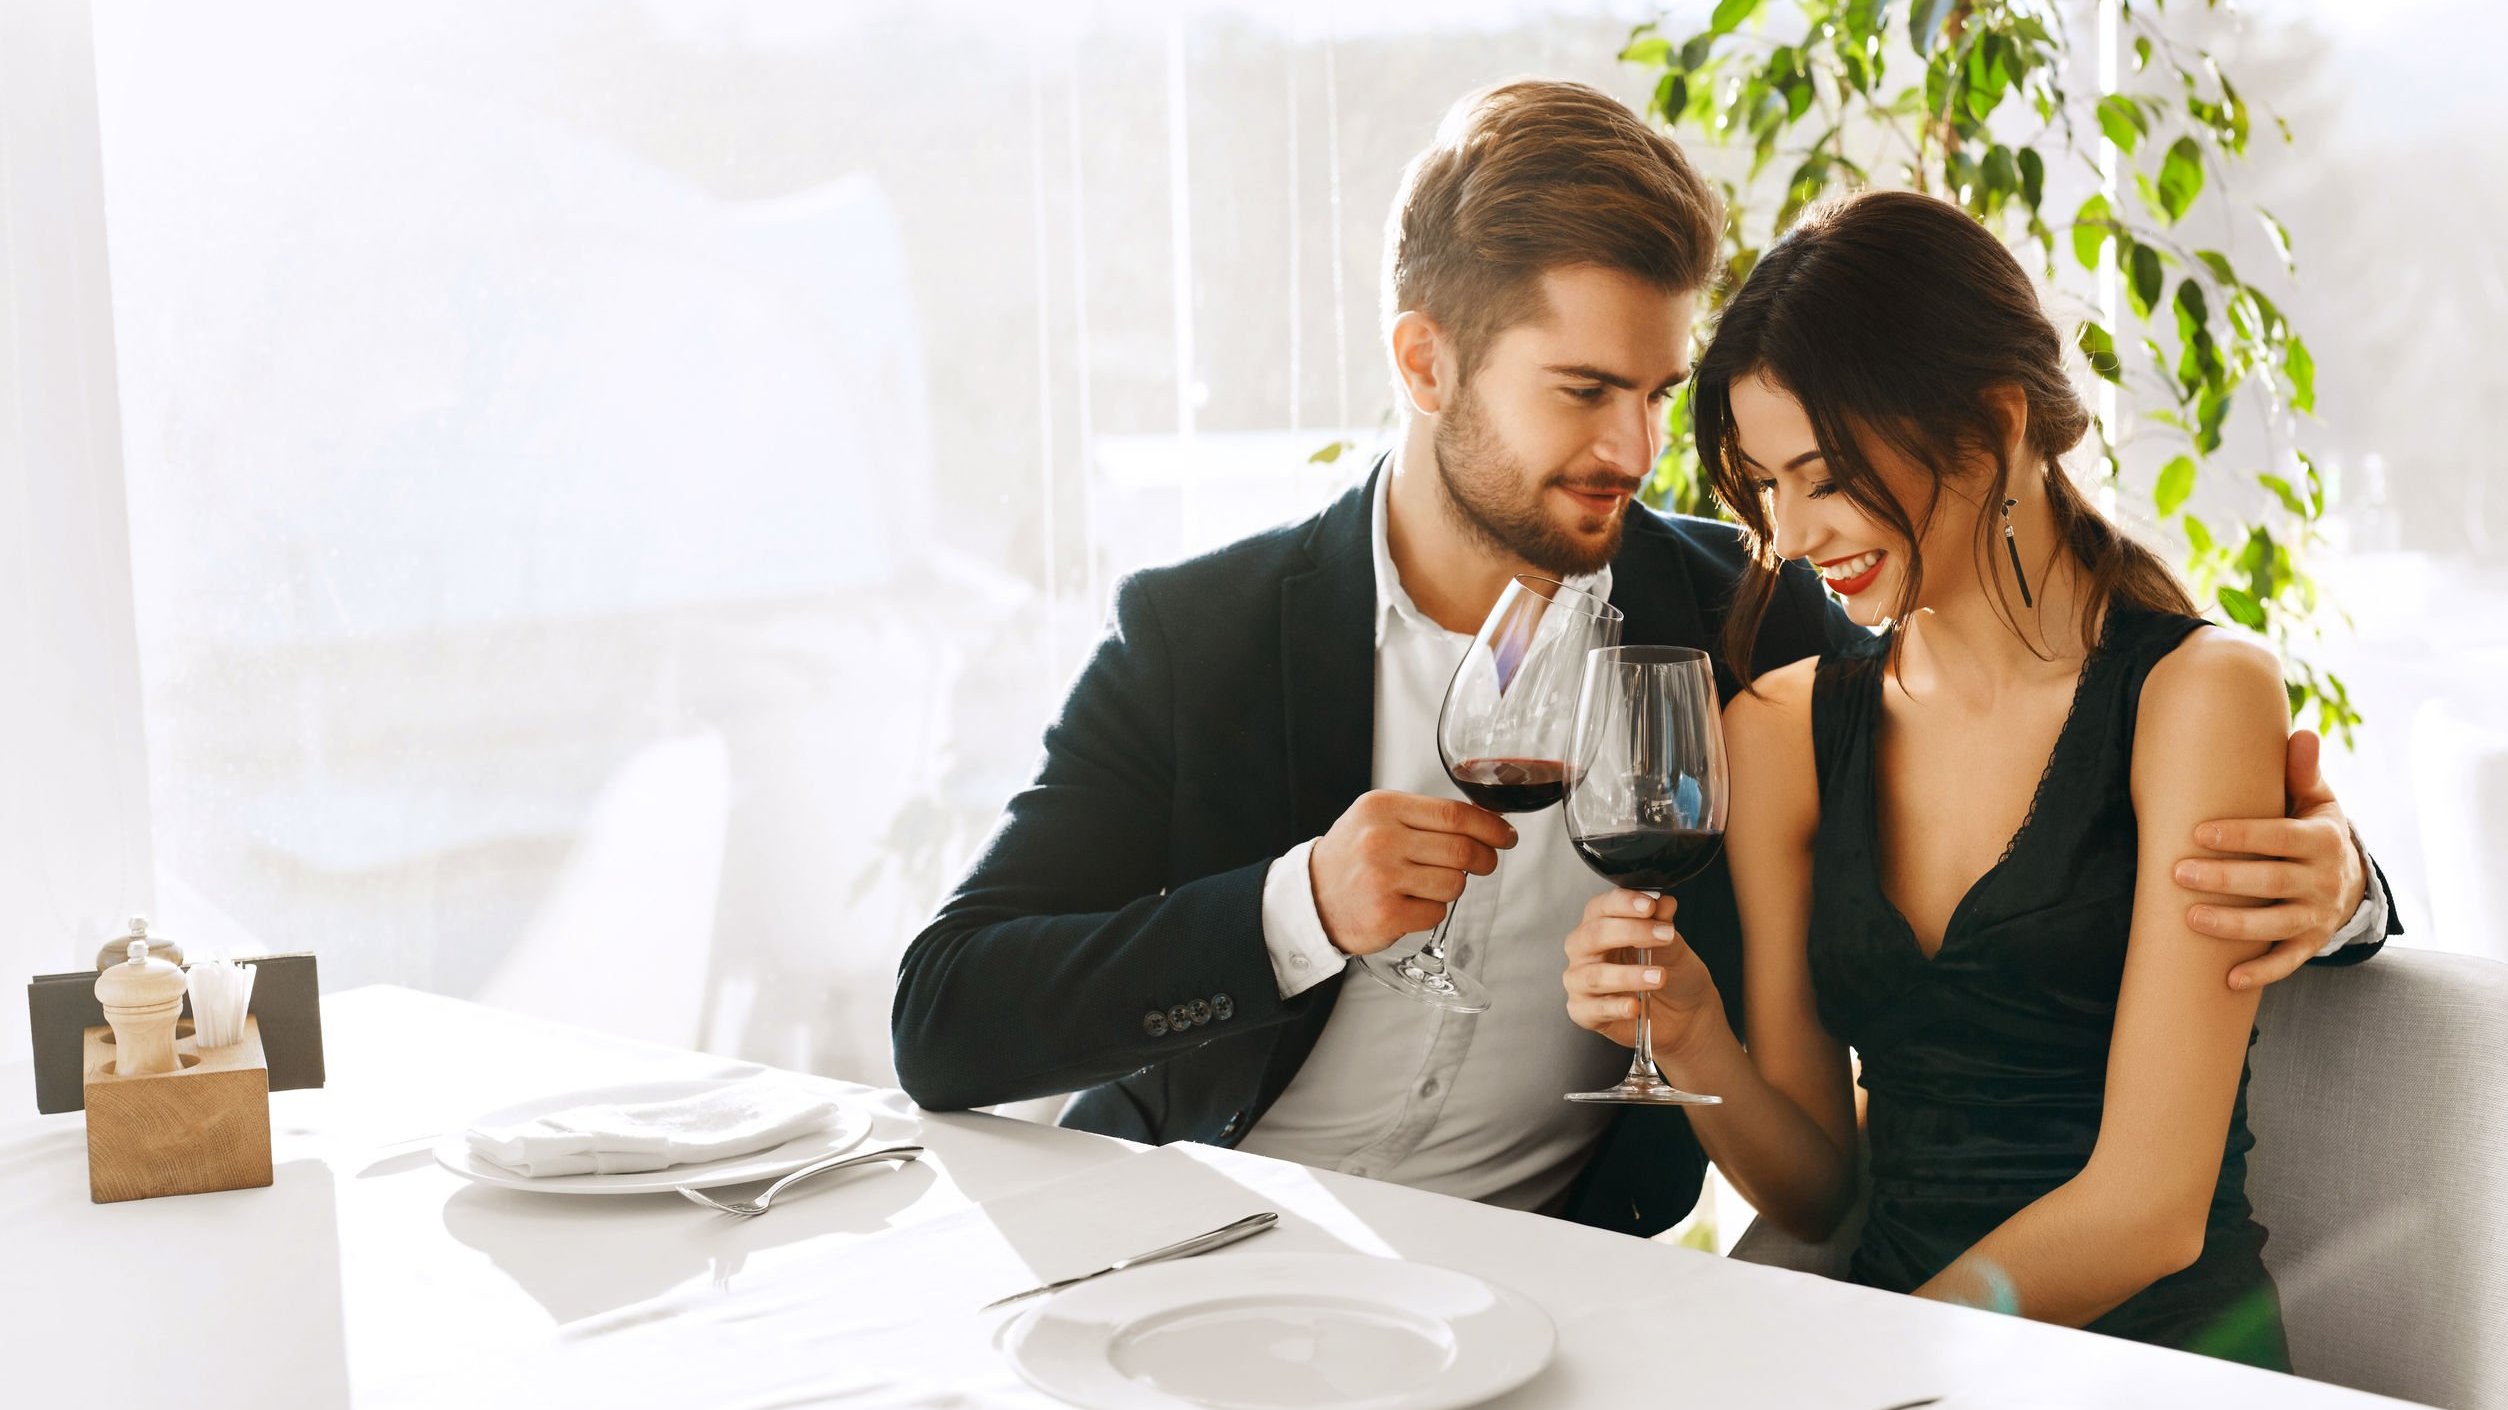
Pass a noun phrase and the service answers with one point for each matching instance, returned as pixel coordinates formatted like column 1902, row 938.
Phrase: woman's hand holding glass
column 1603, row 988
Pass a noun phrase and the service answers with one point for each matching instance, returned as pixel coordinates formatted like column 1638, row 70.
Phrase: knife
column 1220, row 1237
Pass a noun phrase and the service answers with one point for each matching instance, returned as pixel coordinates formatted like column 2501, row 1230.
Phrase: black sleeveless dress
column 1986, row 1065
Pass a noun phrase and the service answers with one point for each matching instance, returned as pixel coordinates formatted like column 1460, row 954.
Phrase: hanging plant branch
column 2199, row 340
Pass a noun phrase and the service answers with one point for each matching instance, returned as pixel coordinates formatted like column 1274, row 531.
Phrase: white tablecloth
column 368, row 1275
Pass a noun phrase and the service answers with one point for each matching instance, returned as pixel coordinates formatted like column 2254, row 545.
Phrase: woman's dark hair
column 1890, row 314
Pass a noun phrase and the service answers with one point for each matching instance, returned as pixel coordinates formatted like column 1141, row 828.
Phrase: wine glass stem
column 1431, row 957
column 1641, row 1063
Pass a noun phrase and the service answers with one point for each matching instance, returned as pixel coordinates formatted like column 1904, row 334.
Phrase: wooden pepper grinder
column 115, row 950
column 142, row 999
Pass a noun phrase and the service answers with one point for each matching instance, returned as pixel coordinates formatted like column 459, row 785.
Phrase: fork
column 747, row 1208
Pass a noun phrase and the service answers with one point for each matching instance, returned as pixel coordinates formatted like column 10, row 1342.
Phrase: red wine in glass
column 1650, row 859
column 1502, row 735
column 1511, row 785
column 1646, row 801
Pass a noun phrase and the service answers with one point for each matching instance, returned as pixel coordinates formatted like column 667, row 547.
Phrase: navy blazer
column 1109, row 940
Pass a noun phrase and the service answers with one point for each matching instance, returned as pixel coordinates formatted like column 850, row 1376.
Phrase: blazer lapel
column 1328, row 664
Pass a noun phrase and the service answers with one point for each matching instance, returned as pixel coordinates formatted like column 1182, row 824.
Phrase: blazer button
column 1200, row 1009
column 1221, row 1006
column 1154, row 1024
column 1179, row 1018
column 1230, row 1129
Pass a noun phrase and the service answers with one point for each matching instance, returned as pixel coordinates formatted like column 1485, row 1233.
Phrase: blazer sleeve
column 1058, row 960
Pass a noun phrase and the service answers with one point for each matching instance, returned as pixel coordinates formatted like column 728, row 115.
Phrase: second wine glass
column 1646, row 800
column 1503, row 735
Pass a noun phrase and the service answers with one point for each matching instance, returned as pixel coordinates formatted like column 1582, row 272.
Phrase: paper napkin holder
column 203, row 1127
column 286, row 1004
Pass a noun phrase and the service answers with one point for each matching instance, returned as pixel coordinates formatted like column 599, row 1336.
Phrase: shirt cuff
column 2366, row 924
column 1293, row 930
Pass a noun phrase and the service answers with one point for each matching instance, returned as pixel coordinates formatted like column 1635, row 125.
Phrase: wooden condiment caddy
column 166, row 1116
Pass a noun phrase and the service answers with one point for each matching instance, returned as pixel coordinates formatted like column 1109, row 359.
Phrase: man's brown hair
column 1533, row 175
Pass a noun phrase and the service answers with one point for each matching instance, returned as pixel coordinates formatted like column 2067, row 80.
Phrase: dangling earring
column 2011, row 544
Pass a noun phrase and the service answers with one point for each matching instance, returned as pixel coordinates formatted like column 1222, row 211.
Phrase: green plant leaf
column 2219, row 264
column 1694, row 54
column 2181, row 178
column 1999, row 172
column 2091, row 229
column 2280, row 237
column 2211, row 411
column 1925, row 19
column 2032, row 176
column 2142, row 53
column 2301, row 368
column 2198, row 536
column 2121, row 119
column 2176, row 482
column 1671, row 95
column 2100, row 348
column 2146, row 281
column 2191, row 311
column 1730, row 14
column 2234, row 123
column 2283, row 491
column 1329, row 453
column 2242, row 608
column 1653, row 49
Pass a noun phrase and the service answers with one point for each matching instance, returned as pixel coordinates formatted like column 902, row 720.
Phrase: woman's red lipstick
column 1848, row 587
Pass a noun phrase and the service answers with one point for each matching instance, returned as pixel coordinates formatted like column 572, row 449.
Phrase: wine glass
column 1502, row 734
column 1646, row 797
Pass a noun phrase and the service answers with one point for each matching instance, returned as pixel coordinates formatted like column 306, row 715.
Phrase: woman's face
column 1863, row 560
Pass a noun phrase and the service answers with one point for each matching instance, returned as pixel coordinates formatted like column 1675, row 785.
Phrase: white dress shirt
column 1463, row 1104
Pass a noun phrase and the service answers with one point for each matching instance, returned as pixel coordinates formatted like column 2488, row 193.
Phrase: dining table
column 369, row 1274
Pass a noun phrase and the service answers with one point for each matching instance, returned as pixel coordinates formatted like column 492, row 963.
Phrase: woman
column 1952, row 846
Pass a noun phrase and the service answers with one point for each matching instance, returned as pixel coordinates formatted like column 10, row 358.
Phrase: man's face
column 1542, row 449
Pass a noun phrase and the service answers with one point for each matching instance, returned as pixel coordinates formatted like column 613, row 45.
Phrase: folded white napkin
column 622, row 1137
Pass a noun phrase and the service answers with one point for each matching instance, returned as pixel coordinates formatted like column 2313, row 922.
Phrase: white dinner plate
column 1275, row 1331
column 453, row 1152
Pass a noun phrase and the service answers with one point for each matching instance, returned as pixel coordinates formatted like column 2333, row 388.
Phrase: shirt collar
column 1393, row 602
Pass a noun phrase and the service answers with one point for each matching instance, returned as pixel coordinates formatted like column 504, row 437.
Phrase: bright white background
column 493, row 494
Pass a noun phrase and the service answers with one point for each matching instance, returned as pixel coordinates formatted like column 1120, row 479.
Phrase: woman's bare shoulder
column 2212, row 672
column 1783, row 694
column 1768, row 728
column 2207, row 710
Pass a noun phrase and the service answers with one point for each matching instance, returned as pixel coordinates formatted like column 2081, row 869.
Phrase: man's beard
column 1494, row 500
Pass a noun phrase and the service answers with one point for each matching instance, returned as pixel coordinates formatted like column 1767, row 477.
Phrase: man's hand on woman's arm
column 2306, row 867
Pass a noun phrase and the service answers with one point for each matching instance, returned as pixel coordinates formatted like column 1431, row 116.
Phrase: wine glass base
column 1646, row 1091
column 1433, row 983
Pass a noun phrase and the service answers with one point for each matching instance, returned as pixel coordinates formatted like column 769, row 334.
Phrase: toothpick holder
column 202, row 1127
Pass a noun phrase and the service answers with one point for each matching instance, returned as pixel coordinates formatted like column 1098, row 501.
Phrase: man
column 1243, row 789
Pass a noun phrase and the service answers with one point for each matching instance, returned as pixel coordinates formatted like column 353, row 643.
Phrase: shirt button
column 1154, row 1024
column 1221, row 1006
column 1179, row 1018
column 1358, row 1170
column 1300, row 962
column 1428, row 1088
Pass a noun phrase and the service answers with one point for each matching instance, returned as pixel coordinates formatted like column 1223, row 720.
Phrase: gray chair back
column 2379, row 1103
